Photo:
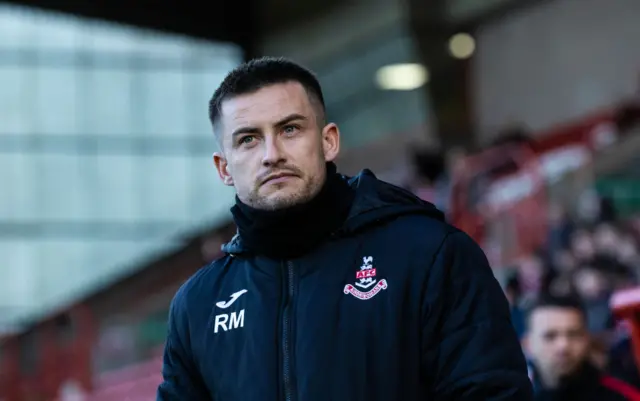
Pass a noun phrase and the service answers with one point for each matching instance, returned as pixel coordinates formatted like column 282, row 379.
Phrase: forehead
column 266, row 105
column 556, row 318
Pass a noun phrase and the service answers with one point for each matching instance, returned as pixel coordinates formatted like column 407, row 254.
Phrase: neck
column 293, row 231
column 581, row 378
column 549, row 381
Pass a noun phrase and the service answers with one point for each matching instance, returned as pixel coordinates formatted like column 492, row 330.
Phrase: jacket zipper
column 286, row 335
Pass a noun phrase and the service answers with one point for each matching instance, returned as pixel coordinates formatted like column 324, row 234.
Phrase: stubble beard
column 279, row 201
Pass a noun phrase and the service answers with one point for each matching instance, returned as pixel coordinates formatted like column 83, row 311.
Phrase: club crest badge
column 366, row 281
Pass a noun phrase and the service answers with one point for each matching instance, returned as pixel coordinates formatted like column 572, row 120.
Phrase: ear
column 330, row 142
column 223, row 171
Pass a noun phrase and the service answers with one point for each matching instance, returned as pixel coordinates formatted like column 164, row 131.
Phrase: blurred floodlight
column 462, row 45
column 402, row 77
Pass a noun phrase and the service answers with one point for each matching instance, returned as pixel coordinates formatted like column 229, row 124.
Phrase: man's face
column 274, row 150
column 558, row 341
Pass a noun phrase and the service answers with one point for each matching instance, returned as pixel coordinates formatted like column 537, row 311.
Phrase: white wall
column 559, row 60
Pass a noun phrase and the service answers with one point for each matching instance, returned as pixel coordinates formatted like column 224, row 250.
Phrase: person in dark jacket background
column 334, row 288
column 558, row 343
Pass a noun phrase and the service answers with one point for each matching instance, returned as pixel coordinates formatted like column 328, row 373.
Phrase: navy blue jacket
column 395, row 306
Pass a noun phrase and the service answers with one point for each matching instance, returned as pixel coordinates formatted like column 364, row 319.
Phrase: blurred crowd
column 589, row 255
column 560, row 294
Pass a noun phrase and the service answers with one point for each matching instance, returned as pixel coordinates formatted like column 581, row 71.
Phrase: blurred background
column 518, row 118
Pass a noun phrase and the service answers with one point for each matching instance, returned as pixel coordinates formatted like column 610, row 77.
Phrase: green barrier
column 624, row 192
column 152, row 331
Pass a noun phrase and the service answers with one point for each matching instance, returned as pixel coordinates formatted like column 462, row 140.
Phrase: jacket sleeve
column 181, row 379
column 470, row 348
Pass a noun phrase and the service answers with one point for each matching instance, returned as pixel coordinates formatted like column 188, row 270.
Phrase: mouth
column 280, row 177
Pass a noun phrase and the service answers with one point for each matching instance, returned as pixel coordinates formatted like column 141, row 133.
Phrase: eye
column 245, row 140
column 290, row 129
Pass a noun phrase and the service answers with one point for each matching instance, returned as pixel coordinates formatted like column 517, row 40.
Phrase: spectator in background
column 562, row 286
column 582, row 245
column 535, row 275
column 530, row 274
column 564, row 265
column 514, row 296
column 627, row 252
column 628, row 114
column 606, row 239
column 558, row 344
column 434, row 175
column 607, row 210
column 560, row 228
column 428, row 168
column 454, row 160
column 592, row 287
column 618, row 274
column 512, row 134
column 563, row 260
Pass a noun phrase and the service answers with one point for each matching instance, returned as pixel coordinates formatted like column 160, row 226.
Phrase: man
column 333, row 289
column 558, row 344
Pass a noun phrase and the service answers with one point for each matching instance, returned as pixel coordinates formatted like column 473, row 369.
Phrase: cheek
column 581, row 348
column 241, row 171
column 308, row 157
column 540, row 350
column 307, row 144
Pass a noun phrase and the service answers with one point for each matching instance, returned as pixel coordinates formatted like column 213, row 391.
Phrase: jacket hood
column 375, row 202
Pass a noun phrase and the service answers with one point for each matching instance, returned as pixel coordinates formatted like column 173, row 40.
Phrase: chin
column 283, row 202
column 568, row 370
column 282, row 199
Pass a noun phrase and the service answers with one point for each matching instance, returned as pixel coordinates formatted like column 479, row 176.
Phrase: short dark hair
column 572, row 302
column 258, row 73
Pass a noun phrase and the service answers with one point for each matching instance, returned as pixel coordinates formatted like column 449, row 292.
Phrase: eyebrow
column 280, row 123
column 290, row 118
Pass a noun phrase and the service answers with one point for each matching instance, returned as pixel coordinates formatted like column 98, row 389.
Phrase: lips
column 276, row 176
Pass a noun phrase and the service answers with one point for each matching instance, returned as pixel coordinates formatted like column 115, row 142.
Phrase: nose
column 273, row 152
column 562, row 345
